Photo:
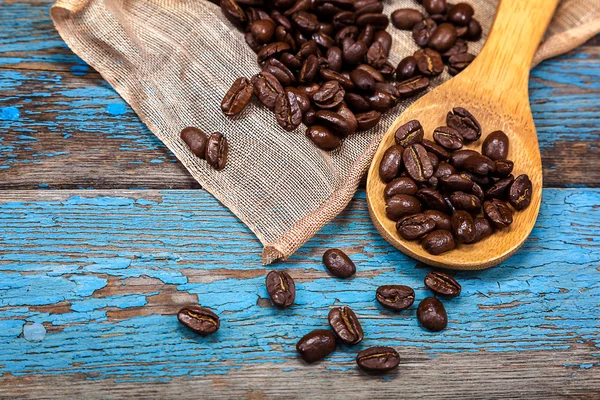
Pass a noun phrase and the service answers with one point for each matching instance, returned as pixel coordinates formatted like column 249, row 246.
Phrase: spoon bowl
column 494, row 88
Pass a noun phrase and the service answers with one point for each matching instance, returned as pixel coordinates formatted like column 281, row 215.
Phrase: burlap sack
column 173, row 61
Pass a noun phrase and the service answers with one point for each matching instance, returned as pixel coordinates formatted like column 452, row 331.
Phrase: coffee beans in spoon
column 446, row 196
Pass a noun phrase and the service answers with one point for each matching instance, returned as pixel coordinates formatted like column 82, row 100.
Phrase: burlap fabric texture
column 173, row 61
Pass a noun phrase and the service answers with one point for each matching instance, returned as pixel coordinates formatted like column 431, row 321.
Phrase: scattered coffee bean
column 495, row 146
column 463, row 226
column 316, row 345
column 410, row 133
column 345, row 325
column 448, row 138
column 395, row 297
column 199, row 319
column 498, row 213
column 442, row 284
column 432, row 314
column 402, row 205
column 237, row 97
column 417, row 163
column 378, row 359
column 403, row 185
column 338, row 263
column 322, row 137
column 196, row 140
column 415, row 226
column 391, row 163
column 438, row 242
column 441, row 220
column 483, row 229
column 465, row 123
column 216, row 151
column 519, row 194
column 281, row 288
column 406, row 18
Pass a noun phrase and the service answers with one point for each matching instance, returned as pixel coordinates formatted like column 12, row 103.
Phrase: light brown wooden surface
column 494, row 89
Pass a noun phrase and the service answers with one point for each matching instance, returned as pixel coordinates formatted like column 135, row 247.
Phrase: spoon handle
column 503, row 64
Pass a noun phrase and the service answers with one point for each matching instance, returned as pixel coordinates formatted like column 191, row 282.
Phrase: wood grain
column 103, row 272
column 51, row 100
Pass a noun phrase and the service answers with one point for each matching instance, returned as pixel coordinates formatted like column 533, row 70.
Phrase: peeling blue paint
column 9, row 113
column 116, row 109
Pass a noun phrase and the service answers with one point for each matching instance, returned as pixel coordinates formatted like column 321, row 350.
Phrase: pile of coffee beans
column 213, row 148
column 442, row 194
column 325, row 62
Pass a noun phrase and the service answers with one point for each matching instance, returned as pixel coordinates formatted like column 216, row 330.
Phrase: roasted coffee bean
column 377, row 76
column 498, row 213
column 363, row 80
column 309, row 70
column 463, row 226
column 442, row 284
column 388, row 70
column 458, row 158
column 443, row 37
column 473, row 30
column 519, row 194
column 406, row 68
column 417, row 163
column 356, row 102
column 343, row 19
column 478, row 164
column 346, row 32
column 291, row 61
column 322, row 137
column 415, row 226
column 460, row 47
column 266, row 88
column 401, row 205
column 345, row 325
column 350, row 118
column 327, row 10
column 382, row 102
column 354, row 53
column 263, row 30
column 448, row 138
column 334, row 58
column 412, row 86
column 376, row 55
column 196, row 140
column 438, row 242
column 301, row 98
column 373, row 7
column 287, row 111
column 435, row 6
column 435, row 161
column 233, row 12
column 461, row 14
column 378, row 359
column 441, row 220
column 483, row 181
column 483, row 229
column 465, row 123
column 395, row 297
column 281, row 288
column 282, row 20
column 335, row 122
column 379, row 21
column 422, row 31
column 500, row 188
column 272, row 50
column 199, row 319
column 254, row 14
column 465, row 201
column 338, row 263
column 444, row 169
column 410, row 133
column 477, row 191
column 368, row 120
column 402, row 185
column 459, row 62
column 280, row 71
column 385, row 39
column 432, row 199
column 216, row 151
column 432, row 314
column 305, row 22
column 330, row 95
column 406, row 18
column 308, row 48
column 323, row 40
column 316, row 345
column 252, row 43
column 429, row 62
column 456, row 182
column 502, row 168
column 391, row 163
column 237, row 97
column 309, row 118
column 344, row 81
column 436, row 149
column 495, row 146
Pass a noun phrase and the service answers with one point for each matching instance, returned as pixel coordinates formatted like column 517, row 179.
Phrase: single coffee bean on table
column 395, row 297
column 378, row 359
column 432, row 314
column 281, row 288
column 217, row 150
column 345, row 325
column 338, row 263
column 199, row 319
column 316, row 345
column 196, row 140
column 442, row 284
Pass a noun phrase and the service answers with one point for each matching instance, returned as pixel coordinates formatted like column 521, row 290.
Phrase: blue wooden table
column 90, row 280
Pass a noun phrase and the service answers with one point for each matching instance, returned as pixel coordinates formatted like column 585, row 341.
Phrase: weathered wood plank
column 64, row 128
column 104, row 271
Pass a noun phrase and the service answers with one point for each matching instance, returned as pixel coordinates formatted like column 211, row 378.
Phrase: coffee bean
column 429, row 62
column 338, row 263
column 350, row 118
column 422, row 31
column 434, row 161
column 281, row 19
column 519, row 194
column 395, row 297
column 379, row 21
column 456, row 182
column 465, row 201
column 412, row 86
column 495, row 146
column 461, row 14
column 272, row 50
column 291, row 61
column 448, row 138
column 281, row 288
column 309, row 118
column 483, row 181
column 216, row 151
column 415, row 226
column 435, row 6
column 233, row 12
column 330, row 95
column 196, row 140
column 334, row 121
column 465, row 123
column 199, row 319
column 345, row 325
column 310, row 69
column 432, row 199
column 401, row 205
column 301, row 98
column 460, row 47
column 444, row 169
column 266, row 88
column 363, row 80
column 377, row 76
column 499, row 189
column 403, row 185
column 373, row 7
column 441, row 220
column 459, row 62
column 391, row 163
column 316, row 345
column 483, row 229
column 417, row 163
column 502, row 168
column 287, row 111
column 378, row 359
column 438, row 242
column 458, row 158
column 376, row 55
column 498, row 213
column 438, row 150
column 280, row 71
column 323, row 40
column 463, row 226
column 473, row 30
column 443, row 37
column 237, row 97
column 334, row 57
column 344, row 81
column 346, row 32
column 354, row 52
column 322, row 137
column 406, row 18
column 368, row 120
column 410, row 133
column 406, row 68
column 478, row 164
column 356, row 102
column 263, row 30
column 432, row 314
column 442, row 284
column 252, row 43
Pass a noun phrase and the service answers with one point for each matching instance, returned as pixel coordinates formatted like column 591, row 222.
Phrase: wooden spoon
column 494, row 88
